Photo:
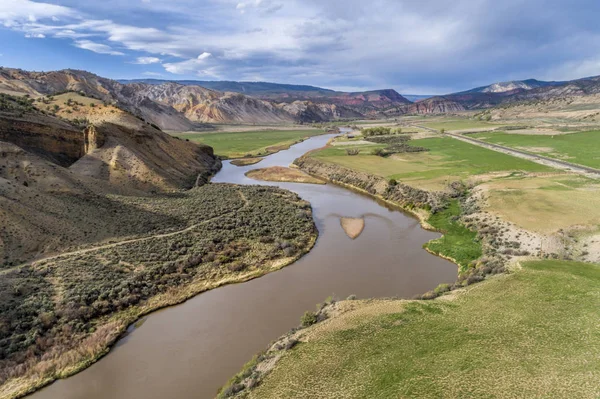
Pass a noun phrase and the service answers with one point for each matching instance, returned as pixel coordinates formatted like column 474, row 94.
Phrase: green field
column 240, row 144
column 458, row 242
column 458, row 124
column 448, row 159
column 529, row 334
column 582, row 148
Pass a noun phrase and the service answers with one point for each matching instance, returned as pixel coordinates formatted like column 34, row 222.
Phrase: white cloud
column 96, row 47
column 155, row 74
column 26, row 10
column 147, row 60
column 35, row 35
column 339, row 43
column 196, row 65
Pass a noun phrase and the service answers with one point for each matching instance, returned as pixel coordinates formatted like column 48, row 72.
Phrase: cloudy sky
column 416, row 47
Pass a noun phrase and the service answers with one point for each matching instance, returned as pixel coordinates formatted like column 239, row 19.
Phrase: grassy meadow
column 581, row 148
column 532, row 333
column 250, row 143
column 546, row 204
column 447, row 160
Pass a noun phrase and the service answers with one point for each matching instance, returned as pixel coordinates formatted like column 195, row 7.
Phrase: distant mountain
column 516, row 91
column 357, row 104
column 249, row 88
column 503, row 87
column 417, row 97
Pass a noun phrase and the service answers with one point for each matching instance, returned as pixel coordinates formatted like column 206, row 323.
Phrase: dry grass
column 246, row 161
column 545, row 204
column 282, row 174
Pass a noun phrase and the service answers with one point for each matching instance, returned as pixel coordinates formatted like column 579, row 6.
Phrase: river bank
column 385, row 260
column 502, row 338
column 181, row 266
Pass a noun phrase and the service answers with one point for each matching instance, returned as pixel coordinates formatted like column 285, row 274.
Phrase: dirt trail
column 130, row 241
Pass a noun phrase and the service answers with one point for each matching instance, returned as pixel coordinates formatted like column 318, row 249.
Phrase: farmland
column 581, row 148
column 446, row 160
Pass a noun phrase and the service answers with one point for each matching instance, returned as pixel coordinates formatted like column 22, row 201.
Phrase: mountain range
column 186, row 105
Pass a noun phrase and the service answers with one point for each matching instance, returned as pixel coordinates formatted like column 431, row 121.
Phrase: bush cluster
column 232, row 229
column 395, row 145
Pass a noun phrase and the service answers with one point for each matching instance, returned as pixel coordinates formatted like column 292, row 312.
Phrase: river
column 190, row 350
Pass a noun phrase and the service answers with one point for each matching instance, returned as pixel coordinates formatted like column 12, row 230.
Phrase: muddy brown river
column 190, row 350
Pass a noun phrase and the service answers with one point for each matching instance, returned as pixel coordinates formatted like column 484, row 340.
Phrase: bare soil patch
column 246, row 161
column 283, row 174
column 353, row 226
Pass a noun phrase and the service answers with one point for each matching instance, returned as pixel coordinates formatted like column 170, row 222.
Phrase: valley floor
column 527, row 333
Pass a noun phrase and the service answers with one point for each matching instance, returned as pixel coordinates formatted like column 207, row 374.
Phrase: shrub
column 378, row 151
column 352, row 151
column 429, row 295
column 376, row 131
column 291, row 343
column 474, row 279
column 442, row 288
column 308, row 319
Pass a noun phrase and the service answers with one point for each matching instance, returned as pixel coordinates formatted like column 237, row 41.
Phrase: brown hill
column 55, row 174
column 203, row 105
column 169, row 106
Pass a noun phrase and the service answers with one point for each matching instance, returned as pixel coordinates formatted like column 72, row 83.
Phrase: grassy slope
column 447, row 160
column 240, row 144
column 581, row 148
column 529, row 334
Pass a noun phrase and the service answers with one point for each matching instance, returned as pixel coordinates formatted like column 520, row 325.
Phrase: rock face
column 436, row 105
column 48, row 137
column 55, row 177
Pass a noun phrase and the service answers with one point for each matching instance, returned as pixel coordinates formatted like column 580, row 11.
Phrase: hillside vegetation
column 492, row 340
column 59, row 314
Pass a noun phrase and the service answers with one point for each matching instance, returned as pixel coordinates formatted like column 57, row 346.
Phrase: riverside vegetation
column 399, row 348
column 59, row 314
column 493, row 339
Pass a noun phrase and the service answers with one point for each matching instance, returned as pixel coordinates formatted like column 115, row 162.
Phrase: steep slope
column 435, row 105
column 55, row 176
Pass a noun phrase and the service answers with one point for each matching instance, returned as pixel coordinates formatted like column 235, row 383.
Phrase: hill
column 518, row 91
column 57, row 168
column 348, row 105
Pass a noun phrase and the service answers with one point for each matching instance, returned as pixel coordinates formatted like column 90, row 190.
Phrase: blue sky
column 417, row 47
